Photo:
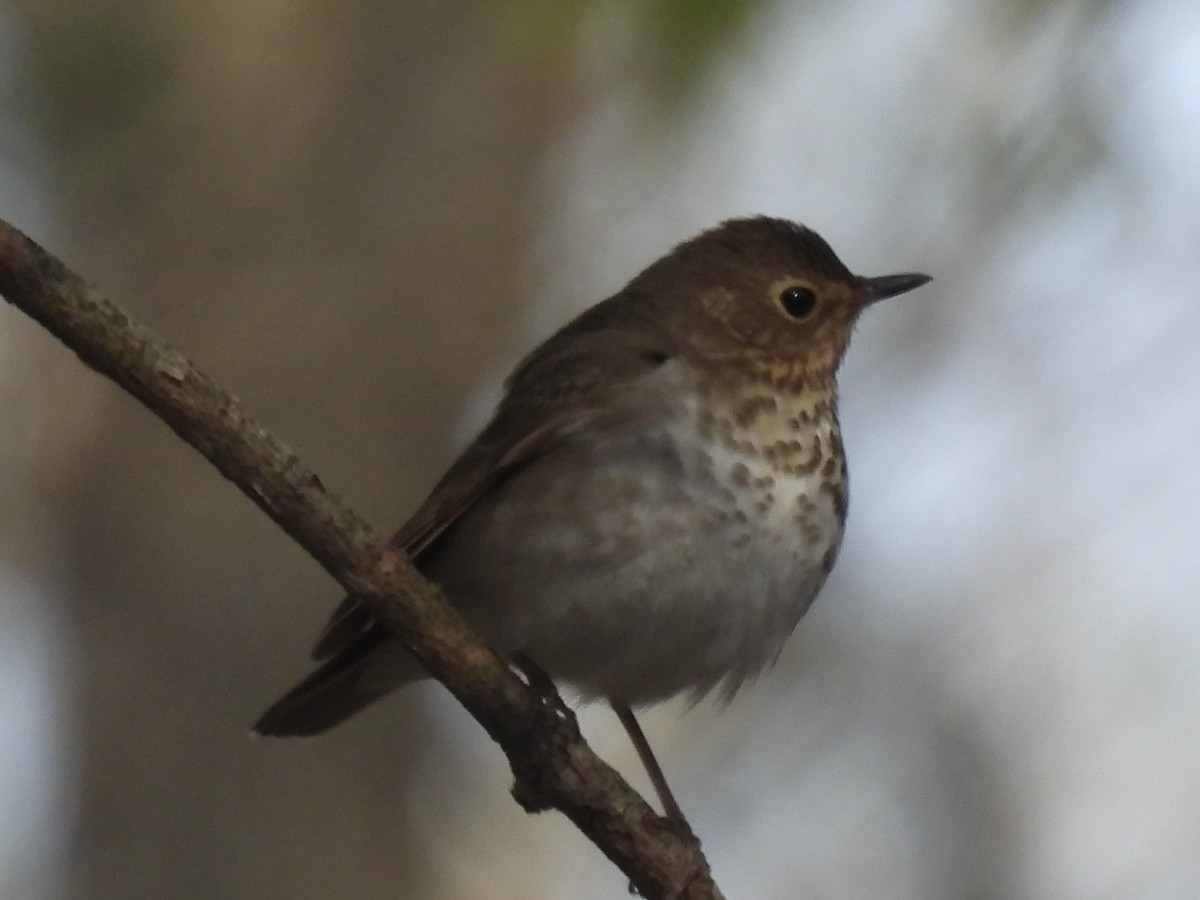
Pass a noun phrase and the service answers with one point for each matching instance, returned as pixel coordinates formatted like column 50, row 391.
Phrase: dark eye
column 798, row 302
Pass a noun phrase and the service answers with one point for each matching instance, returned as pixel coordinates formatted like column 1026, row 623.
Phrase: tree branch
column 552, row 764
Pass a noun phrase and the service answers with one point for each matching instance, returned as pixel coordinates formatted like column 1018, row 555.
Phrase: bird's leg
column 646, row 755
column 537, row 678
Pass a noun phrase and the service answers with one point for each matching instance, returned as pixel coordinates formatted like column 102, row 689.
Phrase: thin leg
column 646, row 755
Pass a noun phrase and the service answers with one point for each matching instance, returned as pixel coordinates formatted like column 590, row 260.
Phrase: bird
column 658, row 498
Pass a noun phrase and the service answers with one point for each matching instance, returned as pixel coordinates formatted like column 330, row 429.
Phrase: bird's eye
column 798, row 302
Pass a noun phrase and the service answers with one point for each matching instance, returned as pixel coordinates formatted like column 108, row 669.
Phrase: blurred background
column 358, row 215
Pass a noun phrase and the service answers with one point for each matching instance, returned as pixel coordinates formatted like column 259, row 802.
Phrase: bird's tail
column 359, row 675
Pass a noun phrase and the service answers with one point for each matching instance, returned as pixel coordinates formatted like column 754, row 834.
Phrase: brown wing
column 576, row 377
column 478, row 468
column 594, row 368
column 357, row 665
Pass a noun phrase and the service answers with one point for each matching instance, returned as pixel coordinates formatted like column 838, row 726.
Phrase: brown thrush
column 659, row 496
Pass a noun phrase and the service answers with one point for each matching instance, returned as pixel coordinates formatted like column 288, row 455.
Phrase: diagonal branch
column 553, row 766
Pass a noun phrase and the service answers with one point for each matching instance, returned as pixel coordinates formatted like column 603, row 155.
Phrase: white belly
column 676, row 564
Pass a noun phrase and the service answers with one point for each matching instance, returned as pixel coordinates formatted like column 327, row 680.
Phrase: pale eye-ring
column 798, row 301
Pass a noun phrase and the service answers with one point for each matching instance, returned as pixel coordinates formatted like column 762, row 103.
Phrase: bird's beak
column 872, row 289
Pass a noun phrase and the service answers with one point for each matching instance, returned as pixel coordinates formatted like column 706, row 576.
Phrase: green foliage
column 673, row 42
column 95, row 71
column 686, row 36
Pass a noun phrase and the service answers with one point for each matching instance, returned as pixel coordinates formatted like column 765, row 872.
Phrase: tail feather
column 372, row 666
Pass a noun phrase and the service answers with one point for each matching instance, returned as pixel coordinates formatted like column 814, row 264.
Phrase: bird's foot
column 543, row 685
